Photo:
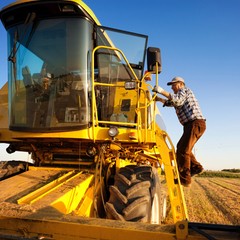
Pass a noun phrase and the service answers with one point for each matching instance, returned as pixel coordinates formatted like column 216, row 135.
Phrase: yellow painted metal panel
column 88, row 229
column 70, row 200
column 86, row 207
column 178, row 205
column 43, row 191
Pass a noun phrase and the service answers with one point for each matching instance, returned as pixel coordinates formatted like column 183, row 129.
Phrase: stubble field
column 214, row 200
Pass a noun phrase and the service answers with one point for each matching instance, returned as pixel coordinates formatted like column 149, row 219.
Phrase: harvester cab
column 73, row 81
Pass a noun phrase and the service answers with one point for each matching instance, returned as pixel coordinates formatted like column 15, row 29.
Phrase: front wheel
column 136, row 195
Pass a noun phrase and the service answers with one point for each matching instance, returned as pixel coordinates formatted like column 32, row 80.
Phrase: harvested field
column 214, row 200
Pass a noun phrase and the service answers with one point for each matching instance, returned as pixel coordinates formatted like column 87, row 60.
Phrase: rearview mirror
column 153, row 58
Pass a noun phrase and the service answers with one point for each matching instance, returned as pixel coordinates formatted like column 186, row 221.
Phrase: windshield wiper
column 12, row 56
column 29, row 19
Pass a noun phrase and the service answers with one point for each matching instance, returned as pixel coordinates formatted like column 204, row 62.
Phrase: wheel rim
column 155, row 216
column 164, row 209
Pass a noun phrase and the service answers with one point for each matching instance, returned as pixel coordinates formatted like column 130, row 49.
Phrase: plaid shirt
column 186, row 105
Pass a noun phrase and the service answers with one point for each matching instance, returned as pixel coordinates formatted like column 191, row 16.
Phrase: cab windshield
column 49, row 73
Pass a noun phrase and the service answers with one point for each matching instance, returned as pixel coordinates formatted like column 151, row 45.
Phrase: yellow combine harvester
column 79, row 102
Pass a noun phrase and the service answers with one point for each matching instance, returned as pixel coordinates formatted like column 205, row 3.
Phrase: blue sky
column 200, row 41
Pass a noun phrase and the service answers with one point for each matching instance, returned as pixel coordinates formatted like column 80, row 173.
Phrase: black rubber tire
column 132, row 194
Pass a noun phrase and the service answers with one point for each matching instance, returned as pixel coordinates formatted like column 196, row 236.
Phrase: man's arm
column 159, row 99
column 166, row 102
column 160, row 90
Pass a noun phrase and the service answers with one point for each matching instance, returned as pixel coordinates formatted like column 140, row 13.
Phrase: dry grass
column 214, row 200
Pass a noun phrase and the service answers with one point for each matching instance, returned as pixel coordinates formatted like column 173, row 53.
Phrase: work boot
column 196, row 169
column 185, row 177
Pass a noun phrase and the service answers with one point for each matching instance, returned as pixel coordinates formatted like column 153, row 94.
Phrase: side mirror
column 153, row 58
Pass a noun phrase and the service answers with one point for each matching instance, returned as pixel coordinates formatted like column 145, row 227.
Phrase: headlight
column 130, row 85
column 113, row 131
